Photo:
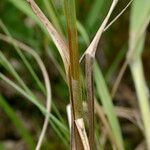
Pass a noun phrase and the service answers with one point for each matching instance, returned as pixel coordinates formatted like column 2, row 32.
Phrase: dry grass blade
column 56, row 37
column 118, row 80
column 124, row 66
column 24, row 60
column 123, row 10
column 101, row 114
column 122, row 112
column 91, row 50
column 46, row 80
column 56, row 63
column 141, row 146
column 81, row 129
column 130, row 114
column 90, row 54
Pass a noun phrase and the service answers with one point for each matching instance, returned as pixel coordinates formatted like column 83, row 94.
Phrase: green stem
column 143, row 96
column 74, row 73
column 75, row 81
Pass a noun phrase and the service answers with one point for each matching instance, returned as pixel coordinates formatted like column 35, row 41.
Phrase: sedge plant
column 82, row 133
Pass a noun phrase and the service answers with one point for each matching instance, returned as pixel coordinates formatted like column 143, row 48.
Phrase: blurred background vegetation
column 20, row 120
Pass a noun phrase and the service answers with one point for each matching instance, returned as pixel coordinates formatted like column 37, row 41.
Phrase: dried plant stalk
column 54, row 34
column 90, row 56
column 90, row 99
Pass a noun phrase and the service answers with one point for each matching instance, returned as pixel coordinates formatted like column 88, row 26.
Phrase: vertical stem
column 90, row 98
column 74, row 72
column 143, row 96
column 74, row 59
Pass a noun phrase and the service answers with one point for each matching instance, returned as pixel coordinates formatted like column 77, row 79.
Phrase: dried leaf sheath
column 56, row 37
column 91, row 50
column 90, row 98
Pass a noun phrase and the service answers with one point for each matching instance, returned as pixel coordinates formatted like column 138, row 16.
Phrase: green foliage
column 24, row 7
column 136, row 46
column 103, row 94
column 17, row 122
column 96, row 14
column 141, row 11
column 79, row 32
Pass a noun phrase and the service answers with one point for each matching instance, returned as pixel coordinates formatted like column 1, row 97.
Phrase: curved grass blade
column 25, row 48
column 52, row 14
column 56, row 37
column 5, row 63
column 59, row 124
column 22, row 6
column 24, row 59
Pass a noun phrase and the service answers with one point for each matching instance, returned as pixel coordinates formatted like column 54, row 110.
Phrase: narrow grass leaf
column 30, row 50
column 138, row 26
column 143, row 96
column 56, row 37
column 6, row 64
column 24, row 59
column 91, row 50
column 22, row 6
column 51, row 12
column 83, row 33
column 114, row 20
column 97, row 12
column 136, row 45
column 140, row 10
column 106, row 101
column 17, row 122
column 112, row 69
column 40, row 106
